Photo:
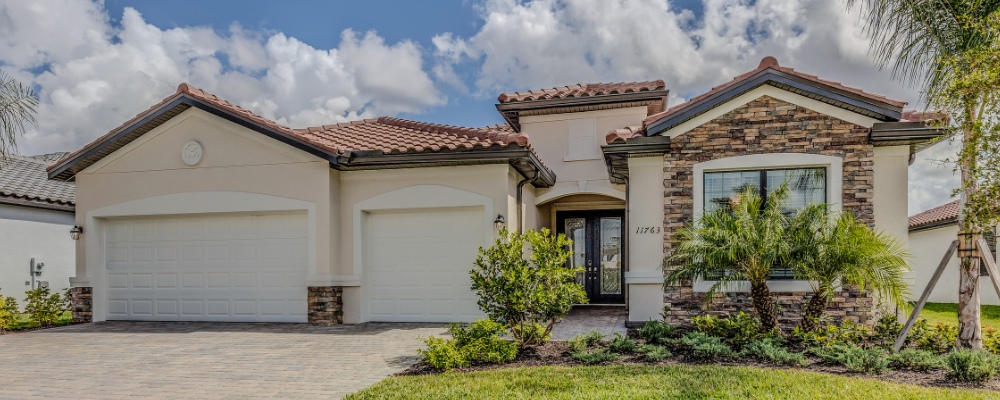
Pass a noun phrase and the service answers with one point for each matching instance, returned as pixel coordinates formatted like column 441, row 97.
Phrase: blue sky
column 97, row 63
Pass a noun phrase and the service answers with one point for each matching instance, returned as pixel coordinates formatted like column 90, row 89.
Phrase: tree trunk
column 814, row 310
column 764, row 304
column 970, row 333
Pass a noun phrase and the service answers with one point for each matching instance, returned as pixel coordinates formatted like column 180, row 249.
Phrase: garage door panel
column 208, row 268
column 417, row 264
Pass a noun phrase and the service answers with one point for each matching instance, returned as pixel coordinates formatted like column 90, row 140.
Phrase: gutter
column 33, row 204
column 521, row 158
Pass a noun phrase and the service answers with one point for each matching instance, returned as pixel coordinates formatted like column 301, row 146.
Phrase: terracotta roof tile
column 621, row 135
column 924, row 116
column 937, row 214
column 581, row 90
column 770, row 63
column 24, row 178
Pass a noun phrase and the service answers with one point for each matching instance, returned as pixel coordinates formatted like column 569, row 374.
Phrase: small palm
column 17, row 108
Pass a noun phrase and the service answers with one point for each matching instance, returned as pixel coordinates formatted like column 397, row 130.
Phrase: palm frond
column 18, row 105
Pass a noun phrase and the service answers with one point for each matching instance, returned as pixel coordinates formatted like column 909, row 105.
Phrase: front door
column 598, row 248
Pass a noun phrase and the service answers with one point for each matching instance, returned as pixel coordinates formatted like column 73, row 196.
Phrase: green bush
column 768, row 350
column 595, row 357
column 737, row 330
column 658, row 332
column 939, row 338
column 652, row 352
column 972, row 366
column 700, row 346
column 916, row 360
column 621, row 344
column 991, row 340
column 8, row 313
column 855, row 359
column 887, row 329
column 43, row 306
column 478, row 342
column 528, row 295
column 443, row 354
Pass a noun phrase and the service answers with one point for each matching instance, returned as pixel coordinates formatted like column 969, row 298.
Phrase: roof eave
column 510, row 111
column 933, row 225
column 616, row 155
column 850, row 101
column 525, row 161
column 62, row 170
column 917, row 134
column 14, row 201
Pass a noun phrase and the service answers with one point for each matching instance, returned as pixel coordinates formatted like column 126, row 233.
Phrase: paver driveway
column 113, row 360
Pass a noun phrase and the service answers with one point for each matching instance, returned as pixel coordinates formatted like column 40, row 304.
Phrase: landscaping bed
column 558, row 353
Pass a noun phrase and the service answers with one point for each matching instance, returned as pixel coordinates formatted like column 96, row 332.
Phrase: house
column 36, row 215
column 931, row 232
column 197, row 209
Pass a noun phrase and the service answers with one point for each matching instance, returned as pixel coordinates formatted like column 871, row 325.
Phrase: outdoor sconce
column 500, row 222
column 76, row 232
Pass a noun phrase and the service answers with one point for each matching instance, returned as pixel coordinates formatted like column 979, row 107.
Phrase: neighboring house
column 197, row 209
column 36, row 215
column 931, row 232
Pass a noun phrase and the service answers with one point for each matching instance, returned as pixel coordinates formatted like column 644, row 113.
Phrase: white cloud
column 95, row 75
column 545, row 43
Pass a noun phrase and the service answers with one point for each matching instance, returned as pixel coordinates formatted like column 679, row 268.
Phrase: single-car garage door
column 220, row 267
column 417, row 264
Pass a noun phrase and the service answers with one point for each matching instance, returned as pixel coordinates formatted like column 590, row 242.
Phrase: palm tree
column 835, row 251
column 736, row 244
column 936, row 43
column 17, row 108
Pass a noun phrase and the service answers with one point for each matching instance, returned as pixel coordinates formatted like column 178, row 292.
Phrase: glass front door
column 598, row 248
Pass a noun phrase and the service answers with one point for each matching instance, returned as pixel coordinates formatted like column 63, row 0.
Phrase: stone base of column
column 83, row 304
column 326, row 305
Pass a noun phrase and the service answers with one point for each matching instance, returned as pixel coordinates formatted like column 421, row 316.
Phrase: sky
column 95, row 64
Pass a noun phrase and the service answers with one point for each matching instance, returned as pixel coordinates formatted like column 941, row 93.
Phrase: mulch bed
column 556, row 353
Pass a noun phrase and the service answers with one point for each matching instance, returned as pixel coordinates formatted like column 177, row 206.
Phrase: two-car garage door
column 226, row 267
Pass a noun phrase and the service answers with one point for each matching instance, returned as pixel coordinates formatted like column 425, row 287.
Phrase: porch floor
column 582, row 319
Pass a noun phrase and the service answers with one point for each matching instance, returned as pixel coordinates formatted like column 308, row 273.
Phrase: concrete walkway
column 115, row 360
column 582, row 319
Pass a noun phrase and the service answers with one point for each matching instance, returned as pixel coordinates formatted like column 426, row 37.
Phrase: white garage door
column 227, row 267
column 417, row 265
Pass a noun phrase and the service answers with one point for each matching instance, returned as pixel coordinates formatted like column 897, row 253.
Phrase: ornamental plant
column 523, row 283
column 44, row 306
column 8, row 311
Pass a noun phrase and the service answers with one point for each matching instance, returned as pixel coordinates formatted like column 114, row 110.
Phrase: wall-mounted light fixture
column 500, row 222
column 76, row 232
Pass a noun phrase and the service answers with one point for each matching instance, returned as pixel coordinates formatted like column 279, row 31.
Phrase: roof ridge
column 485, row 133
column 582, row 90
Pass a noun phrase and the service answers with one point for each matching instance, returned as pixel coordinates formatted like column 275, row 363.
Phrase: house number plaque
column 648, row 230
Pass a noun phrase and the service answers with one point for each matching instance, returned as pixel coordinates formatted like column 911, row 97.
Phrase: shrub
column 8, row 312
column 738, row 330
column 584, row 341
column 652, row 352
column 478, row 342
column 703, row 347
column 846, row 334
column 768, row 350
column 44, row 307
column 657, row 332
column 595, row 357
column 854, row 358
column 527, row 295
column 621, row 344
column 939, row 338
column 916, row 360
column 991, row 340
column 442, row 354
column 887, row 329
column 972, row 366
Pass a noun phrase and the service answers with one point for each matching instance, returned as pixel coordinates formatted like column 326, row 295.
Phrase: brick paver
column 582, row 319
column 114, row 360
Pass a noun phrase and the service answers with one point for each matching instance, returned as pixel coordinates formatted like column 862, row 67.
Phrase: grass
column 24, row 321
column 662, row 382
column 947, row 313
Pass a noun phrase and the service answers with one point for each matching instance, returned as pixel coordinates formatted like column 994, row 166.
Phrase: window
column 805, row 186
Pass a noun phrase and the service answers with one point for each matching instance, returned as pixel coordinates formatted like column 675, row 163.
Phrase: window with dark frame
column 805, row 186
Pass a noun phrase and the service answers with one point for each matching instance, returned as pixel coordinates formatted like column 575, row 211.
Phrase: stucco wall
column 34, row 235
column 927, row 248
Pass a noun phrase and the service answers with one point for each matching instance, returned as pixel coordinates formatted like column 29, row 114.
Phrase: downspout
column 520, row 200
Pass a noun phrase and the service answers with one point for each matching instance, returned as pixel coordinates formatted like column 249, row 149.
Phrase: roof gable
column 770, row 73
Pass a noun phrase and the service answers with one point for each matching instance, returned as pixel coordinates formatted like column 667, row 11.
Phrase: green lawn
column 947, row 313
column 24, row 321
column 672, row 382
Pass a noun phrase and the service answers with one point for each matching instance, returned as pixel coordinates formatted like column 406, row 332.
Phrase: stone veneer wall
column 766, row 125
column 83, row 304
column 326, row 305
